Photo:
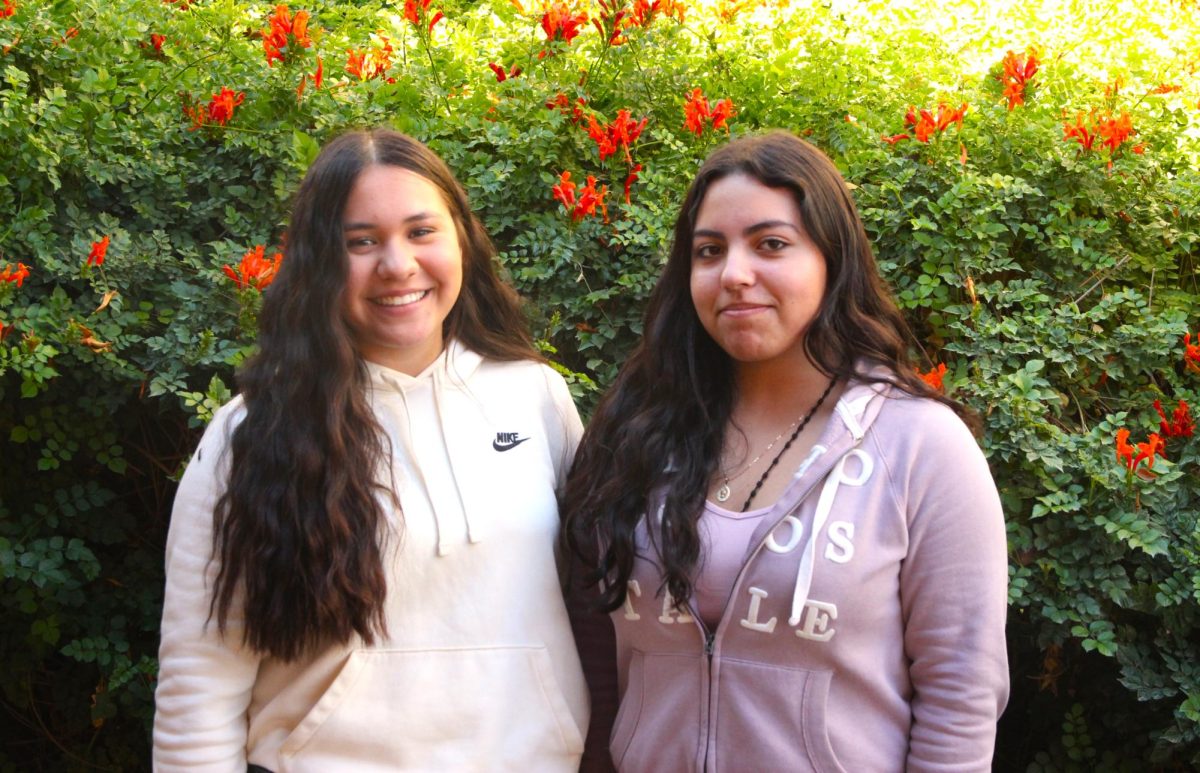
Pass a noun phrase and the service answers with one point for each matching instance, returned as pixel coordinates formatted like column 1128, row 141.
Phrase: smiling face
column 757, row 279
column 405, row 267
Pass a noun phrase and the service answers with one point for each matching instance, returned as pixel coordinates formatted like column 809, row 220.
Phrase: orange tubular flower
column 501, row 75
column 924, row 124
column 590, row 198
column 1132, row 456
column 284, row 31
column 1124, row 450
column 1147, row 450
column 722, row 111
column 14, row 275
column 1114, row 131
column 562, row 103
column 1181, row 423
column 934, row 377
column 565, row 191
column 1191, row 354
column 559, row 23
column 695, row 112
column 99, row 250
column 1017, row 74
column 157, row 41
column 1078, row 132
column 255, row 270
column 631, row 179
column 892, row 140
column 366, row 65
column 618, row 135
column 220, row 108
column 8, row 10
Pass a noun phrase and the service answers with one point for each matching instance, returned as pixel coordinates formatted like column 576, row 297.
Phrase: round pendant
column 723, row 492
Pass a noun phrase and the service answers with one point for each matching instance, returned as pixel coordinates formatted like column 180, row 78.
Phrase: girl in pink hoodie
column 796, row 540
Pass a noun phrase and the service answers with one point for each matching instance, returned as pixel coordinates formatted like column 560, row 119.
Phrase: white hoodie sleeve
column 204, row 680
column 564, row 429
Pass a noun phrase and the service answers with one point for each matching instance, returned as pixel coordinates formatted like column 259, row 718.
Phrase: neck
column 777, row 389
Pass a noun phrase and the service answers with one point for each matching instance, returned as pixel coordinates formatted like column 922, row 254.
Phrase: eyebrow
column 763, row 226
column 362, row 225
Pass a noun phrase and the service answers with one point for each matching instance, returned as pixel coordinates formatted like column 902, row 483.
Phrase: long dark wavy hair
column 672, row 400
column 298, row 532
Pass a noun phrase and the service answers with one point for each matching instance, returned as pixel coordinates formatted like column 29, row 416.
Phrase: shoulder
column 919, row 438
column 531, row 377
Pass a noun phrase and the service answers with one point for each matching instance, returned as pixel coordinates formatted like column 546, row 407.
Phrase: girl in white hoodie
column 360, row 573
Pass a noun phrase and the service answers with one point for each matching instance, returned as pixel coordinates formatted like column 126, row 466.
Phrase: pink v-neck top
column 726, row 536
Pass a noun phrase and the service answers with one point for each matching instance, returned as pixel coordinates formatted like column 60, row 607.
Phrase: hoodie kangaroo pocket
column 657, row 728
column 495, row 708
column 772, row 718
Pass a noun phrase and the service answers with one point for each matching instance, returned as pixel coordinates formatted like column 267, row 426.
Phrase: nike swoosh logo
column 496, row 444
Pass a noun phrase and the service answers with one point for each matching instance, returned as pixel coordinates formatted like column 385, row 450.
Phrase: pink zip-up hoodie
column 864, row 632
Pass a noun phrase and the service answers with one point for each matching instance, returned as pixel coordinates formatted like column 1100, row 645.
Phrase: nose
column 396, row 260
column 738, row 268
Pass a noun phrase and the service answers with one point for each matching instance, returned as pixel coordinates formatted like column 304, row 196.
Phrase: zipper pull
column 708, row 644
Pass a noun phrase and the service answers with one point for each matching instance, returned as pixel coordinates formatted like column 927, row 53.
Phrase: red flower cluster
column 1017, row 73
column 415, row 9
column 502, row 76
column 366, row 65
column 924, row 124
column 1112, row 132
column 8, row 9
column 255, row 270
column 615, row 18
column 619, row 134
column 1191, row 353
column 218, row 111
column 1145, row 451
column 14, row 275
column 99, row 250
column 1181, row 423
column 5, row 330
column 562, row 103
column 934, row 377
column 697, row 112
column 560, row 23
column 157, row 41
column 284, row 29
column 587, row 202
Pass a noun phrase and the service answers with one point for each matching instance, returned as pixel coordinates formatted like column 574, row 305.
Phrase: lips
column 400, row 300
column 737, row 309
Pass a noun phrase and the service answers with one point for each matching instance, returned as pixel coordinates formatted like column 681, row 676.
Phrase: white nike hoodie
column 479, row 671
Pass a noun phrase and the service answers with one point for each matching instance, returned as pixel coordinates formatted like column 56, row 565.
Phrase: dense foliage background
column 1040, row 223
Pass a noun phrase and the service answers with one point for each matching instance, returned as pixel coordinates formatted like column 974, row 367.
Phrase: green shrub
column 1055, row 282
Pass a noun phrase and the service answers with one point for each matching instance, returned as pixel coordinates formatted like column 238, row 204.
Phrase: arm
column 953, row 592
column 204, row 680
column 564, row 442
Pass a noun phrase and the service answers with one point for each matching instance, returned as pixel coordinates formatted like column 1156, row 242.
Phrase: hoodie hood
column 434, row 477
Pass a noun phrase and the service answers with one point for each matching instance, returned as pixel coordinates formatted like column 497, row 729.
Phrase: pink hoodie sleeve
column 954, row 592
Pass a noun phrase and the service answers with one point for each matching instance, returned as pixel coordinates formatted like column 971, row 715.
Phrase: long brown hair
column 673, row 398
column 298, row 530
